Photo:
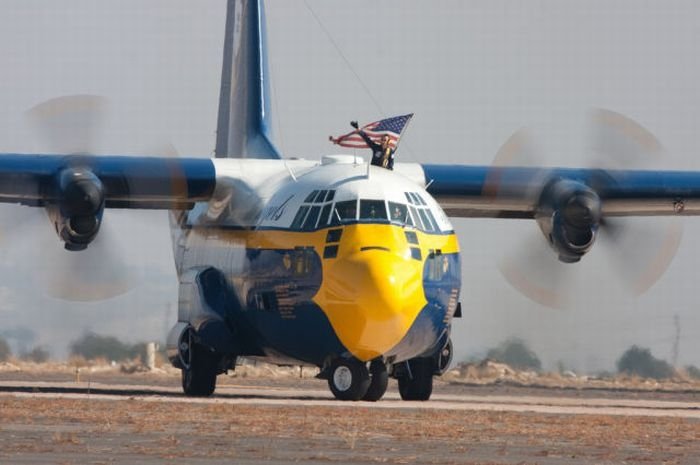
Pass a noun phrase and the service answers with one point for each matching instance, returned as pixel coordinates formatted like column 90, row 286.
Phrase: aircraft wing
column 75, row 189
column 124, row 182
column 525, row 192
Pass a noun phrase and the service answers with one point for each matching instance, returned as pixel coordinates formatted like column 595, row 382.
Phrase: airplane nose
column 371, row 296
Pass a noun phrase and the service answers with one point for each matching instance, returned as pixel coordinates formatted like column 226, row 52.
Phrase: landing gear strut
column 348, row 379
column 199, row 366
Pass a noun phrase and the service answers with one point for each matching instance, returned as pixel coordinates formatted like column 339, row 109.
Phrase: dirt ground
column 129, row 431
column 129, row 427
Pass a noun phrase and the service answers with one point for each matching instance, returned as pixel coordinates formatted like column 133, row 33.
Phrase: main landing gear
column 199, row 366
column 416, row 379
column 379, row 381
column 415, row 376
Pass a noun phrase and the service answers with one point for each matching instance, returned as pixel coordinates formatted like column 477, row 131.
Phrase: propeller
column 639, row 250
column 642, row 248
column 71, row 125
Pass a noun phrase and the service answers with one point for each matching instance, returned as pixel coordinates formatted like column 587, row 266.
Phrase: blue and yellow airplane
column 334, row 263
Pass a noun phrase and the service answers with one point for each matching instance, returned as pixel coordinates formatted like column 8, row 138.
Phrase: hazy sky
column 473, row 72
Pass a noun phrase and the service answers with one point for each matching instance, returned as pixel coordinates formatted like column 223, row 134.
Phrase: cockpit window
column 426, row 221
column 310, row 222
column 310, row 198
column 324, row 213
column 416, row 218
column 414, row 198
column 398, row 213
column 372, row 210
column 320, row 197
column 323, row 219
column 345, row 211
column 299, row 218
column 316, row 215
column 432, row 219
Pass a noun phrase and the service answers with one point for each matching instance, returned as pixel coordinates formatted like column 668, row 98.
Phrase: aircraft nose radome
column 371, row 298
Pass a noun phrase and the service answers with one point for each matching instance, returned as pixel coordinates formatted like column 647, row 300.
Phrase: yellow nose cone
column 371, row 295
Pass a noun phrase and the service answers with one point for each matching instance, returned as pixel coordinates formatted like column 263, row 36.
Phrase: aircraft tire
column 199, row 378
column 419, row 384
column 348, row 380
column 378, row 382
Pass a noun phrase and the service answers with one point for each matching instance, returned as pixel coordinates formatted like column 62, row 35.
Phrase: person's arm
column 373, row 145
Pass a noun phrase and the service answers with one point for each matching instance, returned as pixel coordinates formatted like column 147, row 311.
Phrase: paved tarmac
column 308, row 397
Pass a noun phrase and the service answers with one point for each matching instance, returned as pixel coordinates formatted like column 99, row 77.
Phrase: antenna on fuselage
column 291, row 173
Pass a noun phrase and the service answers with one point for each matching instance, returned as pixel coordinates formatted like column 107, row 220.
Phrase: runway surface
column 309, row 398
column 253, row 421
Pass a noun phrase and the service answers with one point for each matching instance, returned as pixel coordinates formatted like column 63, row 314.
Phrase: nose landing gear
column 348, row 379
column 379, row 380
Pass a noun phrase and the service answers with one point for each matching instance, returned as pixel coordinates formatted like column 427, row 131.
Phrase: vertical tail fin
column 244, row 127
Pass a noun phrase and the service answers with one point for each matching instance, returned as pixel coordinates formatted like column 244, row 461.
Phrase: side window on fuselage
column 438, row 266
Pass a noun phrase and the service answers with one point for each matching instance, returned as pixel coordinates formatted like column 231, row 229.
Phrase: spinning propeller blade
column 639, row 249
column 71, row 125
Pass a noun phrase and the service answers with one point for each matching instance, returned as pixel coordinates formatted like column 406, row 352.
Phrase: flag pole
column 398, row 141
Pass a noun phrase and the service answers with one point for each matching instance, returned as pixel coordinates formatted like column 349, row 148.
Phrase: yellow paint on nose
column 373, row 291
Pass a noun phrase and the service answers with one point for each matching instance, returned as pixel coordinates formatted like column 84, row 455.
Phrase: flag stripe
column 392, row 127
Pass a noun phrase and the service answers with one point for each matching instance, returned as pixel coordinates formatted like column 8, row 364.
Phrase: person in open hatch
column 382, row 137
column 382, row 153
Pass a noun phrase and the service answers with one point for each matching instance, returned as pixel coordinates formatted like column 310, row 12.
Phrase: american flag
column 390, row 126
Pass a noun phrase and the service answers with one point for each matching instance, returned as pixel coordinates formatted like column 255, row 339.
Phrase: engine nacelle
column 77, row 214
column 569, row 215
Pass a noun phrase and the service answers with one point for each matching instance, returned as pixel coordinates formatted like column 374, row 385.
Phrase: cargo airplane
column 352, row 268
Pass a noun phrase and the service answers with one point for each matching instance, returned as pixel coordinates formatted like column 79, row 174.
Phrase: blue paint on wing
column 476, row 181
column 129, row 182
